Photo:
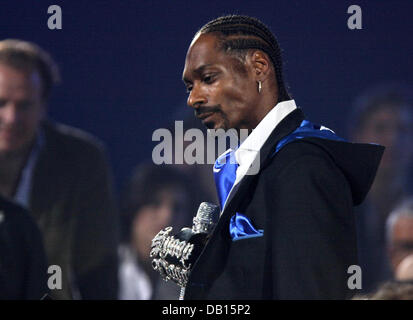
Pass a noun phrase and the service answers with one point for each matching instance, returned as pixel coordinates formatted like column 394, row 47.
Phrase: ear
column 261, row 65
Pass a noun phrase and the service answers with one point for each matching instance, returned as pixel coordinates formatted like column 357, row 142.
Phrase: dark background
column 122, row 61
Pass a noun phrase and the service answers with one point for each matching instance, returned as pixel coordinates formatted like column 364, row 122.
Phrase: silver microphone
column 206, row 218
column 174, row 255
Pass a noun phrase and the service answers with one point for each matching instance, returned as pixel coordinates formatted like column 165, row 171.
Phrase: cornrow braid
column 239, row 33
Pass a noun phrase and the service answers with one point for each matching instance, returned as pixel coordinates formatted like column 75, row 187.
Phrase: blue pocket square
column 240, row 227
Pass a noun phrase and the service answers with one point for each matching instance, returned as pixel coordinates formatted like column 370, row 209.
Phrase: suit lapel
column 44, row 177
column 286, row 126
column 215, row 252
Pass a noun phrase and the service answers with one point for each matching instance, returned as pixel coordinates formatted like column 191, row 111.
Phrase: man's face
column 21, row 108
column 390, row 127
column 402, row 240
column 221, row 88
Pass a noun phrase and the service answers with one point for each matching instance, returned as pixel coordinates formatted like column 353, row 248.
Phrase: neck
column 269, row 102
column 263, row 108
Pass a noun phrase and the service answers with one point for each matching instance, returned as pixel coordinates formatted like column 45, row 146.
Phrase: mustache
column 206, row 109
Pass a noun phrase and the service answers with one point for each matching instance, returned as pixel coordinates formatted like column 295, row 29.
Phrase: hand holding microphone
column 174, row 255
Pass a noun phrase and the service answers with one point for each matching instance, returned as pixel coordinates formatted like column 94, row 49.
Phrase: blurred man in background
column 59, row 173
column 382, row 115
column 400, row 240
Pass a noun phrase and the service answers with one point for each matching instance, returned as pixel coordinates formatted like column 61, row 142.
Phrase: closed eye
column 208, row 79
column 188, row 85
column 188, row 89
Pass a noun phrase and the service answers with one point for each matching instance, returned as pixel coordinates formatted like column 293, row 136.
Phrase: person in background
column 399, row 229
column 404, row 271
column 23, row 266
column 157, row 196
column 57, row 172
column 389, row 290
column 382, row 115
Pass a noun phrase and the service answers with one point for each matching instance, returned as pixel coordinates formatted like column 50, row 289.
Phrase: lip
column 205, row 116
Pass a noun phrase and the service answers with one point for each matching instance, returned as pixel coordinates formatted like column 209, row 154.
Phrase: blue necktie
column 225, row 172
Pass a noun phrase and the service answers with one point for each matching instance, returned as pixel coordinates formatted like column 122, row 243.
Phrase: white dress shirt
column 248, row 152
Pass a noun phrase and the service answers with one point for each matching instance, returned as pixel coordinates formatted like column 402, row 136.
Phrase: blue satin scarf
column 225, row 169
column 225, row 172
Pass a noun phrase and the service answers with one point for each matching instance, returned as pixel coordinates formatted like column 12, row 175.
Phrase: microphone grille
column 206, row 217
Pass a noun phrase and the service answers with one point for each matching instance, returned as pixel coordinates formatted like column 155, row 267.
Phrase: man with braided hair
column 286, row 232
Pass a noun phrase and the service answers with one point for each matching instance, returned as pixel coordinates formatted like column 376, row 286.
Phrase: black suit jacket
column 302, row 198
column 73, row 203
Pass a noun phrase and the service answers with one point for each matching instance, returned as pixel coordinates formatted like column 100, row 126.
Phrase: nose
column 9, row 113
column 196, row 97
